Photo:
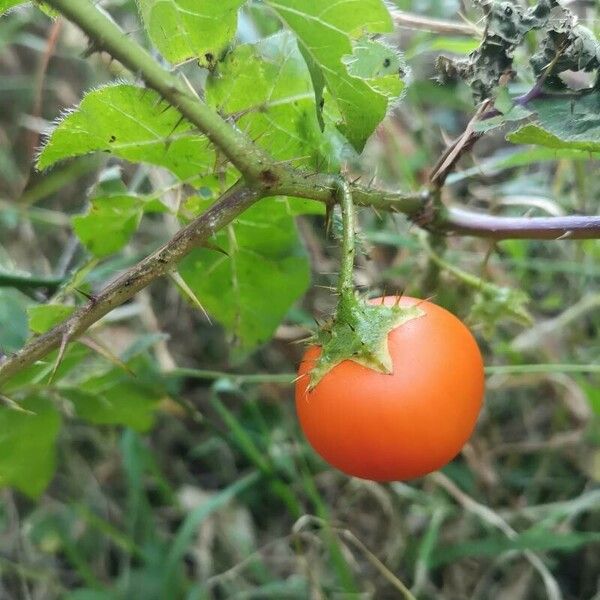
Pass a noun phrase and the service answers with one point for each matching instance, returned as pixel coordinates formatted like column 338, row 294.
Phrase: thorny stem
column 105, row 35
column 260, row 170
column 237, row 199
column 346, row 282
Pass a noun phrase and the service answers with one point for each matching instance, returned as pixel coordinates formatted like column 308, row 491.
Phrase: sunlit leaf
column 268, row 87
column 132, row 123
column 6, row 4
column 330, row 30
column 183, row 29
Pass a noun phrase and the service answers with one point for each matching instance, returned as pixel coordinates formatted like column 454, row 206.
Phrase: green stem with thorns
column 346, row 280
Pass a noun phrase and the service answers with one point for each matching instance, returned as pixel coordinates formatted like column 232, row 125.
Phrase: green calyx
column 359, row 332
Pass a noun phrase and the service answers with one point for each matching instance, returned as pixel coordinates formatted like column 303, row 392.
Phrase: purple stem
column 465, row 222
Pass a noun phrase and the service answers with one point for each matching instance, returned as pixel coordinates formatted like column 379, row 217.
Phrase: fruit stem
column 346, row 281
column 358, row 329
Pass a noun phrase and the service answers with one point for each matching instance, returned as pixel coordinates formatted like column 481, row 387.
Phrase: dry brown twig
column 410, row 21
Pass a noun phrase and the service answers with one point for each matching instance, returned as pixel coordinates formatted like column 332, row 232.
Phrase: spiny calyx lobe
column 358, row 331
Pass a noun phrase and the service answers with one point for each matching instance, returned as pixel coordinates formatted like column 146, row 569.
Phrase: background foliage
column 162, row 458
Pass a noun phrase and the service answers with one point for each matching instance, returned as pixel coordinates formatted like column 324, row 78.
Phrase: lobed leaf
column 132, row 123
column 329, row 31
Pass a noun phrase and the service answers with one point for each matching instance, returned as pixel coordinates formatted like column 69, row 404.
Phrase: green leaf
column 563, row 123
column 13, row 320
column 318, row 83
column 330, row 30
column 535, row 134
column 250, row 289
column 301, row 206
column 593, row 395
column 114, row 398
column 45, row 316
column 109, row 223
column 438, row 43
column 184, row 29
column 268, row 86
column 517, row 113
column 131, row 123
column 518, row 158
column 7, row 4
column 39, row 372
column 503, row 101
column 27, row 445
column 494, row 303
column 126, row 404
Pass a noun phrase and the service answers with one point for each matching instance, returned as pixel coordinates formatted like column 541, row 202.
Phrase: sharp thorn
column 61, row 353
